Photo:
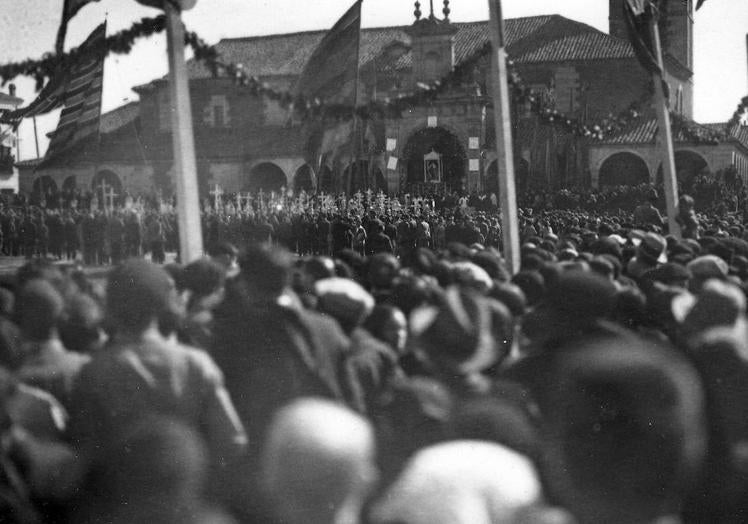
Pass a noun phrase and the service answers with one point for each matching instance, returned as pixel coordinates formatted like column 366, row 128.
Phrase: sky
column 28, row 29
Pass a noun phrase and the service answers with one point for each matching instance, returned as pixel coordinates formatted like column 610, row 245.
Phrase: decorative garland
column 121, row 43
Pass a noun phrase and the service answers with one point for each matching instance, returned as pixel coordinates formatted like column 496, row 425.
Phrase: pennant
column 53, row 95
column 82, row 99
column 638, row 14
column 69, row 10
column 331, row 72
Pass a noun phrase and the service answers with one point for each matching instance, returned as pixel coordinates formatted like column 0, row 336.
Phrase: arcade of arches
column 44, row 185
column 443, row 142
column 266, row 177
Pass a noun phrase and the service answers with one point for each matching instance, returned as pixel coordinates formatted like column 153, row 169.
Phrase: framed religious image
column 432, row 167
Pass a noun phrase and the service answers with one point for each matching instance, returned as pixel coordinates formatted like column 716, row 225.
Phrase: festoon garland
column 425, row 94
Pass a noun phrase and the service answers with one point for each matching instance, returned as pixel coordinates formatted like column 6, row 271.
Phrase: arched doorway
column 360, row 176
column 379, row 181
column 69, row 184
column 44, row 189
column 688, row 165
column 265, row 176
column 445, row 144
column 304, row 179
column 623, row 169
column 107, row 187
column 326, row 180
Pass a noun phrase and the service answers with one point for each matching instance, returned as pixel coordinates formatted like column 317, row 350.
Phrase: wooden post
column 185, row 170
column 665, row 135
column 504, row 151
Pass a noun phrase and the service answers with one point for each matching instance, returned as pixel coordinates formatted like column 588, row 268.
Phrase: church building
column 246, row 141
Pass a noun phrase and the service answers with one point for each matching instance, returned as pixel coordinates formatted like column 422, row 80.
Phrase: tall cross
column 109, row 197
column 216, row 193
column 239, row 199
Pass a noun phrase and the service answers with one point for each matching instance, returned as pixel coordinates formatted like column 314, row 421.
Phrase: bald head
column 462, row 482
column 317, row 461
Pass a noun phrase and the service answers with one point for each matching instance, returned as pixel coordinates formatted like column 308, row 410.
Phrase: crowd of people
column 346, row 362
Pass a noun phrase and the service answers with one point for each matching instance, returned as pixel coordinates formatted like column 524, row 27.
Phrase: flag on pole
column 82, row 100
column 69, row 10
column 699, row 3
column 637, row 14
column 331, row 72
column 60, row 87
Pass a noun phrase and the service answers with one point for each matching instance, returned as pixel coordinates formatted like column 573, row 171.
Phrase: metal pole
column 36, row 137
column 665, row 135
column 504, row 151
column 185, row 170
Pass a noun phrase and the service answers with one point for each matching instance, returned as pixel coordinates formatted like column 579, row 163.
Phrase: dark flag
column 54, row 94
column 331, row 72
column 638, row 14
column 82, row 100
column 69, row 10
column 699, row 3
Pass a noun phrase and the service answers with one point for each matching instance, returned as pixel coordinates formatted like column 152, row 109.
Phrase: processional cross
column 216, row 193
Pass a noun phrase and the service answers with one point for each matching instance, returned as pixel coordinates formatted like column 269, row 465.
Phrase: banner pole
column 665, row 133
column 504, row 151
column 185, row 169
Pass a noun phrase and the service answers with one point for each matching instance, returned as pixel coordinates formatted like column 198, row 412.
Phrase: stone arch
column 380, row 183
column 70, row 183
column 44, row 184
column 359, row 182
column 109, row 178
column 326, row 181
column 623, row 169
column 266, row 176
column 304, row 178
column 443, row 141
column 688, row 164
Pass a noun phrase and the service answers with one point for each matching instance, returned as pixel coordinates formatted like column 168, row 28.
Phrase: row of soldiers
column 96, row 236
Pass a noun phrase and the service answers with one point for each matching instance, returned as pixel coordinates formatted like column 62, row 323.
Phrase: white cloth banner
column 392, row 162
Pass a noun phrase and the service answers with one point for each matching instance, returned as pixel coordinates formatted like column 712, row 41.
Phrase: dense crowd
column 391, row 371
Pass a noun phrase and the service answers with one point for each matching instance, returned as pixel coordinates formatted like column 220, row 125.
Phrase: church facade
column 247, row 142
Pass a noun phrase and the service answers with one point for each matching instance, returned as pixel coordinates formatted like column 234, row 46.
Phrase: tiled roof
column 587, row 46
column 119, row 117
column 645, row 132
column 640, row 132
column 528, row 39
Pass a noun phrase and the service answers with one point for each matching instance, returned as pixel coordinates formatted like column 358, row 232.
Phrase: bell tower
column 432, row 41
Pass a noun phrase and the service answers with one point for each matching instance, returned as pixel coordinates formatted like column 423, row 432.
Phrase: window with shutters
column 216, row 113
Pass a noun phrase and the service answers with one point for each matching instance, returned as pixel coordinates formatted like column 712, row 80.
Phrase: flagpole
column 504, row 151
column 354, row 145
column 185, row 169
column 664, row 132
column 36, row 136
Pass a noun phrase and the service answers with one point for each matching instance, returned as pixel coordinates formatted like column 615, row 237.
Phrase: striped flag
column 53, row 95
column 330, row 73
column 69, row 10
column 82, row 100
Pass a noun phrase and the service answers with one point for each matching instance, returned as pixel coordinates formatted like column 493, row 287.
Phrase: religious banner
column 473, row 142
column 431, row 121
column 391, row 144
column 392, row 163
column 474, row 164
column 432, row 167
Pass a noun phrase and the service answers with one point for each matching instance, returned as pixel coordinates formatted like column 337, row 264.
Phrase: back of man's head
column 626, row 429
column 265, row 269
column 39, row 309
column 139, row 292
column 317, row 461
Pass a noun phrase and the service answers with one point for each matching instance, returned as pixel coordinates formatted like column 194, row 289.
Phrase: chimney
column 12, row 89
column 616, row 23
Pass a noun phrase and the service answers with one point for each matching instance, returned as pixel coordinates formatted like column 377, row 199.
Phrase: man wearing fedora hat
column 649, row 254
